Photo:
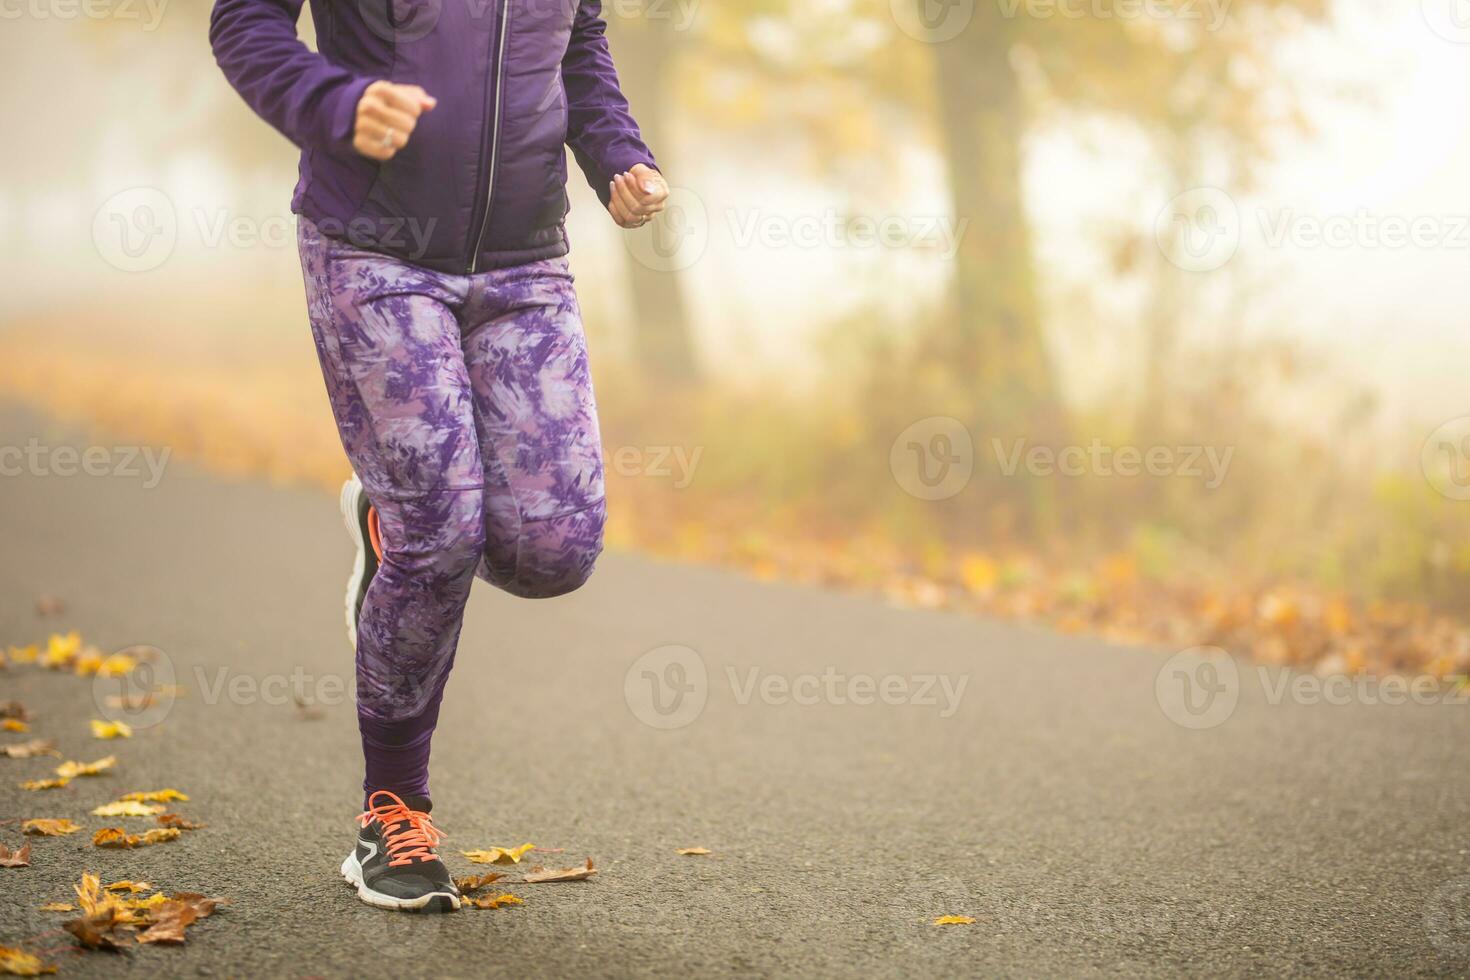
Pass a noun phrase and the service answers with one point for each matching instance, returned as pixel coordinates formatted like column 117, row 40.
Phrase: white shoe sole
column 352, row 874
column 351, row 498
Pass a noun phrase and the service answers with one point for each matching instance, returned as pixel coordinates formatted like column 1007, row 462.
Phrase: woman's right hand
column 386, row 117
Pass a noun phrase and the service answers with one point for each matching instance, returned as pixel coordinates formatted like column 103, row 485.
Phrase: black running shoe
column 394, row 865
column 362, row 525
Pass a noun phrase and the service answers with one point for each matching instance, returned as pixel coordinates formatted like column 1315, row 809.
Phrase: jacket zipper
column 498, row 70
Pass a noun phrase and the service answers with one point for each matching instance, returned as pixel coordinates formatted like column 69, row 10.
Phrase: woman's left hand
column 637, row 196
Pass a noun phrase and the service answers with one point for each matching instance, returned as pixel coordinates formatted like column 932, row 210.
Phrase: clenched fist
column 637, row 196
column 386, row 117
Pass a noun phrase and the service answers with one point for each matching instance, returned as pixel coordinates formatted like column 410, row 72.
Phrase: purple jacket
column 482, row 182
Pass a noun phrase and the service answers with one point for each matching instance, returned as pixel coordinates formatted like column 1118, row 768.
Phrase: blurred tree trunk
column 662, row 338
column 995, row 342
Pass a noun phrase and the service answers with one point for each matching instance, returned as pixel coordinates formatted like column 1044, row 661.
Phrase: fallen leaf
column 471, row 883
column 88, row 662
column 46, row 827
column 132, row 887
column 117, row 665
column 169, row 922
column 96, row 931
column 156, row 796
column 116, row 837
column 22, row 964
column 14, row 725
column 15, row 710
column 174, row 820
column 25, row 750
column 127, row 808
column 694, row 851
column 70, row 769
column 491, row 902
column 15, row 859
column 954, row 920
column 58, row 907
column 61, row 650
column 540, row 876
column 499, row 855
column 50, row 605
column 35, row 784
column 25, row 655
column 110, row 729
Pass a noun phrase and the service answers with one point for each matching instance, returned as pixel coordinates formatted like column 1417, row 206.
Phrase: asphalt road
column 1051, row 797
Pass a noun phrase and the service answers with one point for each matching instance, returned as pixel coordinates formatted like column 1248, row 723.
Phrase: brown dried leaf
column 174, row 820
column 116, row 837
column 15, row 710
column 541, row 876
column 170, row 920
column 491, row 901
column 27, row 750
column 15, row 859
column 131, row 887
column 47, row 827
column 694, row 851
column 50, row 605
column 471, row 883
column 96, row 931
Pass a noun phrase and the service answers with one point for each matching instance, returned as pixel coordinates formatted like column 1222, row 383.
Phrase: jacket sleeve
column 298, row 91
column 600, row 129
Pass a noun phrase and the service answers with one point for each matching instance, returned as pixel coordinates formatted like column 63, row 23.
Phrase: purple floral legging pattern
column 466, row 408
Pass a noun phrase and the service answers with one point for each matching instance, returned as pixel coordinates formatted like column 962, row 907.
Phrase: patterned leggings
column 465, row 406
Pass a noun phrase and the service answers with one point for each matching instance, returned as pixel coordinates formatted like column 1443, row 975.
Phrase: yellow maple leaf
column 127, row 808
column 492, row 902
column 61, row 650
column 70, row 769
column 117, row 665
column 35, row 784
column 14, row 725
column 156, row 796
column 48, row 827
column 22, row 964
column 499, row 855
column 954, row 920
column 692, row 851
column 110, row 729
column 88, row 662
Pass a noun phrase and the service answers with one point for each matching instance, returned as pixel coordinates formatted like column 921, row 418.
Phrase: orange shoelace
column 414, row 835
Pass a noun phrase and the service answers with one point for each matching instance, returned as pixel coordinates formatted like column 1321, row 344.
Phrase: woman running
column 432, row 199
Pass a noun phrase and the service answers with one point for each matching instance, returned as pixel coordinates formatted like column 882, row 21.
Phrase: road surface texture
column 1051, row 798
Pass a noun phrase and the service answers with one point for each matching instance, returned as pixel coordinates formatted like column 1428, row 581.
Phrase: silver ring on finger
column 388, row 140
